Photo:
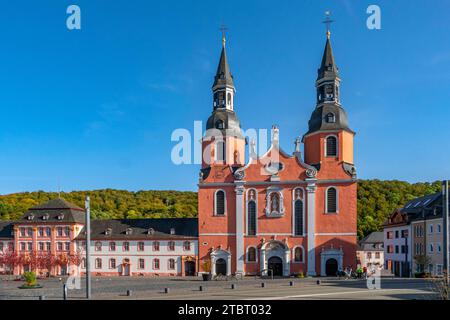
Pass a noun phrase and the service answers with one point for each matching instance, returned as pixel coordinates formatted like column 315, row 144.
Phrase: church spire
column 328, row 81
column 223, row 87
column 327, row 68
column 223, row 74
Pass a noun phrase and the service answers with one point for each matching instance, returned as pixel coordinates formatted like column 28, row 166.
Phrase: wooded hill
column 376, row 199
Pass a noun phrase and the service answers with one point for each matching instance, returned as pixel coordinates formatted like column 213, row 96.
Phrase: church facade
column 279, row 213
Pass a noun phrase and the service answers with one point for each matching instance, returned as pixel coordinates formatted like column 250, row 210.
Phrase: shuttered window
column 298, row 218
column 331, row 147
column 220, row 151
column 251, row 215
column 331, row 200
column 220, row 203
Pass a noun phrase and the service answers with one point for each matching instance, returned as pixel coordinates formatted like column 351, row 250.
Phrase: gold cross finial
column 328, row 22
column 223, row 29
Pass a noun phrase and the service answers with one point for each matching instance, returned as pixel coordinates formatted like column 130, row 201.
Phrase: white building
column 157, row 247
column 397, row 243
column 370, row 253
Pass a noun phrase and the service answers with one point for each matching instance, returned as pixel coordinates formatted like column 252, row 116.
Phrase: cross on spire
column 223, row 29
column 328, row 22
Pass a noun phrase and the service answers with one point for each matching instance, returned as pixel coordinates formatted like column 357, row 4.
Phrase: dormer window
column 30, row 217
column 60, row 217
column 108, row 231
column 220, row 125
column 45, row 216
column 151, row 231
column 330, row 118
column 172, row 230
column 128, row 231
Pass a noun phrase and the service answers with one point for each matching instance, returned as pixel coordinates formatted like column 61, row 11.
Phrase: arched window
column 220, row 203
column 251, row 254
column 229, row 98
column 220, row 151
column 220, row 125
column 331, row 146
column 298, row 254
column 330, row 118
column 298, row 218
column 98, row 263
column 331, row 200
column 251, row 218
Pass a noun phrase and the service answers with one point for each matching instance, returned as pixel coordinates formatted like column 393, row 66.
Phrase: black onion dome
column 224, row 119
column 328, row 117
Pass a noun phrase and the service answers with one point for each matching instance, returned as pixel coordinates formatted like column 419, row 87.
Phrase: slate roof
column 6, row 229
column 318, row 122
column 327, row 67
column 141, row 228
column 232, row 125
column 426, row 207
column 369, row 242
column 223, row 74
column 55, row 210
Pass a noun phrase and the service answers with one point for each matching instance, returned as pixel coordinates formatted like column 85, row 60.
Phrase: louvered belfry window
column 331, row 147
column 220, row 203
column 331, row 200
column 220, row 151
column 251, row 227
column 298, row 218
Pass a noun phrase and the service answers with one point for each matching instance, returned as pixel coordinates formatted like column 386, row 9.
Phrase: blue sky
column 95, row 108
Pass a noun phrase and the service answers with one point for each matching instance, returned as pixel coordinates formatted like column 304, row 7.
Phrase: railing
column 268, row 271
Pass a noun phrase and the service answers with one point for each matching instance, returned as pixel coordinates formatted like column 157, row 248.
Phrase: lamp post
column 445, row 208
column 88, row 245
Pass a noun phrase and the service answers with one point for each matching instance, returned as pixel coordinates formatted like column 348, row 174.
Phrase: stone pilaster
column 311, row 204
column 240, row 251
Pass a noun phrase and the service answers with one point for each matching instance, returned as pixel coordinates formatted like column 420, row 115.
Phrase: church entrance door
column 276, row 265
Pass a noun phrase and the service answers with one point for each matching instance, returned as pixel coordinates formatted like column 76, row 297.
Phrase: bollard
column 200, row 288
column 318, row 282
column 129, row 292
column 233, row 286
column 64, row 292
column 291, row 283
column 166, row 290
column 41, row 297
column 263, row 284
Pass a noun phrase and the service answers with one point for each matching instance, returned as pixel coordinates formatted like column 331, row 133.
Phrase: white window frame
column 256, row 254
column 268, row 210
column 337, row 200
column 225, row 203
column 303, row 254
column 256, row 211
column 294, row 199
column 224, row 150
column 326, row 146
